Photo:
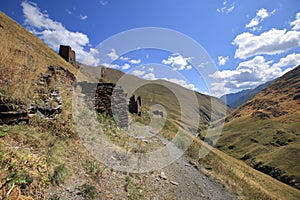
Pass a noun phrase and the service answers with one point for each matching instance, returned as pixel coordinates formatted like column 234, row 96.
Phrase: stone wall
column 68, row 54
column 109, row 99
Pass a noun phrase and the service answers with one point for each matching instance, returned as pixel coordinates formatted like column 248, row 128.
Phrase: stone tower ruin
column 135, row 105
column 68, row 54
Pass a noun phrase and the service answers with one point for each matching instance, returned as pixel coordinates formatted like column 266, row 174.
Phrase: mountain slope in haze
column 264, row 131
column 234, row 100
column 232, row 97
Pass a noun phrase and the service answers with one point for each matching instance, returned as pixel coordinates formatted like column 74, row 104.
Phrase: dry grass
column 22, row 58
column 238, row 177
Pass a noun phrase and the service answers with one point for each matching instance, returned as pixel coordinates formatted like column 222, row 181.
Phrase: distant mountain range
column 234, row 100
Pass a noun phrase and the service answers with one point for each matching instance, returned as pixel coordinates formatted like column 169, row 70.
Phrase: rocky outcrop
column 12, row 112
column 50, row 104
column 277, row 174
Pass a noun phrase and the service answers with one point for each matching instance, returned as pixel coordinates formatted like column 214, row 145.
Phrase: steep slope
column 22, row 58
column 236, row 99
column 232, row 97
column 264, row 132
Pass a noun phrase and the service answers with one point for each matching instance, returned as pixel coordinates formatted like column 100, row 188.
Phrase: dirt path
column 193, row 184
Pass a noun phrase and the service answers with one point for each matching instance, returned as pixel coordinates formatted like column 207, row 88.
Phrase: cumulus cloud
column 260, row 16
column 54, row 33
column 222, row 60
column 249, row 74
column 125, row 67
column 113, row 54
column 218, row 89
column 150, row 76
column 138, row 72
column 289, row 60
column 296, row 24
column 178, row 62
column 226, row 8
column 135, row 62
column 271, row 42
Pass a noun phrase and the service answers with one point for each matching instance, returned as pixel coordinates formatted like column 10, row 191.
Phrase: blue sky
column 250, row 42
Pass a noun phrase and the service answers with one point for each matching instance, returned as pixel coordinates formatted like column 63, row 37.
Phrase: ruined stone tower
column 135, row 105
column 68, row 54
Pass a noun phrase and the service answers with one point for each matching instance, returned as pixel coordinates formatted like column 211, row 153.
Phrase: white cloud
column 69, row 11
column 138, row 72
column 260, row 16
column 296, row 24
column 126, row 66
column 222, row 60
column 181, row 82
column 135, row 62
column 124, row 58
column 289, row 60
column 103, row 3
column 249, row 74
column 271, row 42
column 83, row 17
column 226, row 8
column 54, row 33
column 178, row 62
column 218, row 89
column 113, row 54
column 203, row 64
column 150, row 76
column 151, row 69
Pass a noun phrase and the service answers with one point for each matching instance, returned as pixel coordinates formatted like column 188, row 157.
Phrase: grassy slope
column 274, row 141
column 46, row 156
column 162, row 92
column 22, row 58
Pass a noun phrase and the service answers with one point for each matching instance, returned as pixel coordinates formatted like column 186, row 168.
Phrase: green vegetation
column 89, row 192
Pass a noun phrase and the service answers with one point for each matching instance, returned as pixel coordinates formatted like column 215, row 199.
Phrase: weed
column 92, row 168
column 59, row 175
column 89, row 191
column 2, row 134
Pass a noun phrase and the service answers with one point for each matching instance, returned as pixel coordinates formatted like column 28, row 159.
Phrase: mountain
column 264, row 131
column 160, row 92
column 234, row 100
column 42, row 154
column 230, row 98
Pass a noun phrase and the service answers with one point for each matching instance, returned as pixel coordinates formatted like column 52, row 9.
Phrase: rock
column 163, row 176
column 174, row 183
column 207, row 167
column 187, row 165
